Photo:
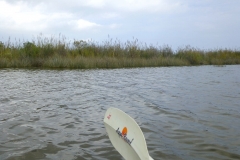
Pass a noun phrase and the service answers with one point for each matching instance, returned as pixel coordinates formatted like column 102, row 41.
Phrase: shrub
column 192, row 55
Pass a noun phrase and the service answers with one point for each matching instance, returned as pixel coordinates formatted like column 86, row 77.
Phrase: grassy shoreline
column 57, row 53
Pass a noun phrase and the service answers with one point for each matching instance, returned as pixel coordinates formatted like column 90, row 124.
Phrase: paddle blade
column 125, row 135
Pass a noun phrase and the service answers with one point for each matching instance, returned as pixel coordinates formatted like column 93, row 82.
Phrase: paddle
column 126, row 135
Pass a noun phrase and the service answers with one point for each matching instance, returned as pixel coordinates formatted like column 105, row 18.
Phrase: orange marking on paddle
column 124, row 131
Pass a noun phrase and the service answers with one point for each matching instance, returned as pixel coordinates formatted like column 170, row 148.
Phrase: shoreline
column 99, row 63
column 59, row 54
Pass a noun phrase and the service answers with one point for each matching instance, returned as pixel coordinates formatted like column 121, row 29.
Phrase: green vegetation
column 57, row 53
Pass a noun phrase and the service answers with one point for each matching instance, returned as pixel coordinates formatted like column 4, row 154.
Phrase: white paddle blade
column 125, row 135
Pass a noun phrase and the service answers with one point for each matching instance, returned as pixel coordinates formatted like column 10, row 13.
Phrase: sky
column 204, row 24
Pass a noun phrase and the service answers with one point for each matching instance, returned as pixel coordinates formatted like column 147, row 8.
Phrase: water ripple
column 184, row 112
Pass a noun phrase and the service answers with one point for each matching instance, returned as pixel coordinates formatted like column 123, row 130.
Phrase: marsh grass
column 43, row 52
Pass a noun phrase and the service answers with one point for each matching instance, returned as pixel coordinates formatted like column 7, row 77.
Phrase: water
column 185, row 112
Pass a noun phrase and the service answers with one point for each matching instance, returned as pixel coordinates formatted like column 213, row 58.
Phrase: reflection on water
column 184, row 112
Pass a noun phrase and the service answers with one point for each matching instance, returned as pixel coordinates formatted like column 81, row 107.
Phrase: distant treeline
column 57, row 53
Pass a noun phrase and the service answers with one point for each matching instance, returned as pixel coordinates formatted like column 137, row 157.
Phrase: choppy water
column 185, row 112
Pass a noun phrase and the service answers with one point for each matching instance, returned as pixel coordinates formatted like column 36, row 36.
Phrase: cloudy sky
column 205, row 24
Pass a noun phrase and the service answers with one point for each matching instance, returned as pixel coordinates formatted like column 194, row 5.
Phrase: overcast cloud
column 206, row 24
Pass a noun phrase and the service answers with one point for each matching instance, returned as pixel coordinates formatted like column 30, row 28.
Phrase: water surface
column 185, row 112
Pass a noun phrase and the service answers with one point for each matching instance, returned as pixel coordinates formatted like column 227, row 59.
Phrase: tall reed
column 52, row 52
